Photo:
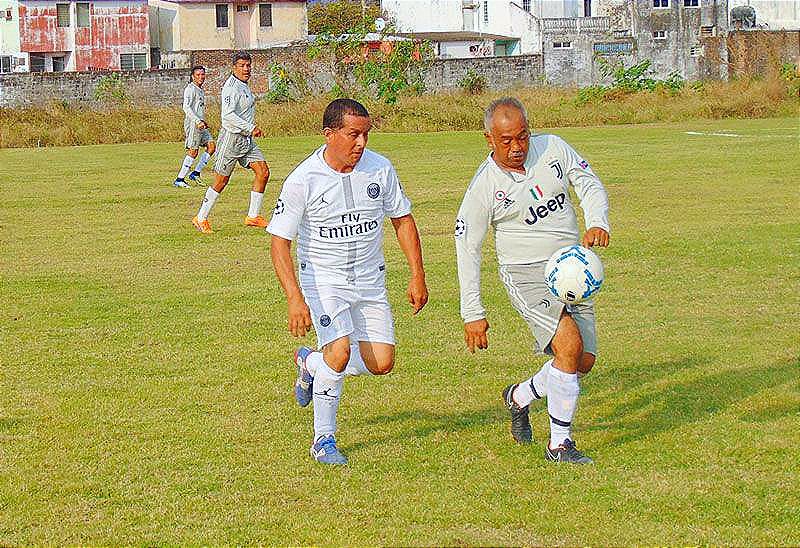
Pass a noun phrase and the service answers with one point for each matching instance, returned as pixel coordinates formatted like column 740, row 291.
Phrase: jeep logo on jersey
column 461, row 227
column 373, row 190
column 324, row 320
column 352, row 225
column 553, row 204
column 279, row 207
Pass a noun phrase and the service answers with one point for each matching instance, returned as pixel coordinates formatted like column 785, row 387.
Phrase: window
column 486, row 11
column 5, row 64
column 242, row 7
column 222, row 16
column 660, row 3
column 562, row 45
column 587, row 8
column 62, row 15
column 526, row 5
column 82, row 14
column 265, row 15
column 707, row 30
column 58, row 64
column 696, row 51
column 155, row 57
column 9, row 14
column 691, row 3
column 659, row 35
column 37, row 63
column 621, row 33
column 133, row 61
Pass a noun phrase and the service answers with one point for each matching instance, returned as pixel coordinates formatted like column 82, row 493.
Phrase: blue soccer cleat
column 325, row 451
column 180, row 183
column 304, row 385
column 194, row 177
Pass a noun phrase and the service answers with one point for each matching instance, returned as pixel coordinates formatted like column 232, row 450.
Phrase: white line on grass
column 715, row 134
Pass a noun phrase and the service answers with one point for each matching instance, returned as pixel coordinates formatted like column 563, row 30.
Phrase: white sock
column 313, row 361
column 208, row 203
column 534, row 388
column 186, row 166
column 356, row 365
column 255, row 203
column 562, row 399
column 328, row 386
column 204, row 157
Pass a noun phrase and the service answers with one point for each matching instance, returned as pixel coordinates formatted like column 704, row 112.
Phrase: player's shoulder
column 372, row 161
column 482, row 175
column 306, row 171
column 230, row 83
column 549, row 141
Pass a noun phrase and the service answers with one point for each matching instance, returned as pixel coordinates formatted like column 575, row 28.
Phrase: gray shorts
column 235, row 147
column 196, row 138
column 530, row 296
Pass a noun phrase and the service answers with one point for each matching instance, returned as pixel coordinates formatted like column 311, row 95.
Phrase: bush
column 472, row 83
column 111, row 90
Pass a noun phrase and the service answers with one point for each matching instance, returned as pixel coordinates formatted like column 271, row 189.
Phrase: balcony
column 577, row 24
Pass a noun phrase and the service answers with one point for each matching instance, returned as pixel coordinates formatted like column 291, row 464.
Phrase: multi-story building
column 95, row 35
column 11, row 57
column 190, row 25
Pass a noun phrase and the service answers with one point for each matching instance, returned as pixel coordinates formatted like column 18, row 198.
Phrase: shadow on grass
column 673, row 404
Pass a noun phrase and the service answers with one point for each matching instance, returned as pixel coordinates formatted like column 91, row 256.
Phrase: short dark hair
column 239, row 56
column 338, row 108
column 195, row 69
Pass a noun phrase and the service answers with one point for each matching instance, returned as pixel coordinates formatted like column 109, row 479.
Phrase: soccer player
column 236, row 144
column 522, row 191
column 334, row 203
column 195, row 129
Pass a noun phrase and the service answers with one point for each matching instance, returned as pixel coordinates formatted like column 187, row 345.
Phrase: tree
column 342, row 17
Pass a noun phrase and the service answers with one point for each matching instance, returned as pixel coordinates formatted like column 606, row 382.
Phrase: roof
column 455, row 36
column 231, row 1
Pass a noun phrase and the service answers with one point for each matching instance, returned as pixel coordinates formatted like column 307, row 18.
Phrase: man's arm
column 298, row 312
column 408, row 236
column 592, row 195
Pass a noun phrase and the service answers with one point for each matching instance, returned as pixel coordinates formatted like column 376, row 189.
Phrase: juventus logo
column 556, row 165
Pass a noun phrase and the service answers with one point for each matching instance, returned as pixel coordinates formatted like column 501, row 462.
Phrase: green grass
column 145, row 376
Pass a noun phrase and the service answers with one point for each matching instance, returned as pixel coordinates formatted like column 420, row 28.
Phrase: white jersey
column 337, row 218
column 531, row 213
column 194, row 104
column 238, row 107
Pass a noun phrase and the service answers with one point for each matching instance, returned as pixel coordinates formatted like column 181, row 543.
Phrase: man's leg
column 201, row 163
column 370, row 358
column 188, row 160
column 261, row 176
column 327, row 369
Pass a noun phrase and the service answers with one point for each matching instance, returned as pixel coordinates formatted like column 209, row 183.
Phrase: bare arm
column 298, row 312
column 408, row 236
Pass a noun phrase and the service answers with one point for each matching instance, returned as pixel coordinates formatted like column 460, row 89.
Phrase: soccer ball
column 573, row 274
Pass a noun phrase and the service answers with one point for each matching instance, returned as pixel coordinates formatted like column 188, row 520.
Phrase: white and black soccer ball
column 573, row 274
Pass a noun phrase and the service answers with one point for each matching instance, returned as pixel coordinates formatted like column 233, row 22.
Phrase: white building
column 772, row 14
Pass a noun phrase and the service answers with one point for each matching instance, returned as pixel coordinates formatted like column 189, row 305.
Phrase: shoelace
column 328, row 446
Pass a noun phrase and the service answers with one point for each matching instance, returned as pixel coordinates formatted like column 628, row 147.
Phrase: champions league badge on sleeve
column 373, row 190
column 279, row 207
column 461, row 227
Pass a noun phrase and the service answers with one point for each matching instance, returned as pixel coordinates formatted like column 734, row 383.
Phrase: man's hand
column 595, row 236
column 257, row 132
column 475, row 334
column 417, row 293
column 299, row 317
column 202, row 124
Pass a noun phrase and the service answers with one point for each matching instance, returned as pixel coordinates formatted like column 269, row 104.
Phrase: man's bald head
column 505, row 107
column 507, row 133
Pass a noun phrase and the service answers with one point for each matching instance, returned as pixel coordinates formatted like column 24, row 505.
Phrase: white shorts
column 361, row 313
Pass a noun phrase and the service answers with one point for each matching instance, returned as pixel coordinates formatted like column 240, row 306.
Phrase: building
column 11, row 56
column 772, row 14
column 96, row 35
column 192, row 25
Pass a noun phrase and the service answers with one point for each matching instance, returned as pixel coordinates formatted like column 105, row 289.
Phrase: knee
column 192, row 152
column 587, row 362
column 264, row 174
column 337, row 357
column 211, row 148
column 383, row 366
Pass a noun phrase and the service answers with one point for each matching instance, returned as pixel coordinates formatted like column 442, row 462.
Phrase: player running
column 195, row 129
column 236, row 144
column 335, row 203
column 522, row 191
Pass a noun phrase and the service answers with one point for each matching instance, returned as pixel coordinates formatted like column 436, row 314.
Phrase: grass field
column 145, row 376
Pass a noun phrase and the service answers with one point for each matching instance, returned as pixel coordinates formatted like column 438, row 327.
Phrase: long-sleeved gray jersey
column 238, row 107
column 194, row 104
column 532, row 214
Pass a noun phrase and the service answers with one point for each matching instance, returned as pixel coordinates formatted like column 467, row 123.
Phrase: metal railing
column 577, row 24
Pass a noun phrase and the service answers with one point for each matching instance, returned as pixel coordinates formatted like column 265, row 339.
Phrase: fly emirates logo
column 352, row 225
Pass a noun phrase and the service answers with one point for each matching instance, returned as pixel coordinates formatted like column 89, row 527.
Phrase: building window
column 587, row 8
column 562, row 45
column 265, row 15
column 659, row 35
column 82, row 14
column 9, row 14
column 5, row 63
column 242, row 7
column 62, row 15
column 526, row 5
column 222, row 16
column 691, row 3
column 58, row 64
column 37, row 63
column 486, row 11
column 155, row 57
column 133, row 61
column 696, row 51
column 707, row 30
column 660, row 3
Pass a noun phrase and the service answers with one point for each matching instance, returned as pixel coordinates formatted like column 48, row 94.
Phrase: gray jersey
column 194, row 105
column 238, row 107
column 531, row 213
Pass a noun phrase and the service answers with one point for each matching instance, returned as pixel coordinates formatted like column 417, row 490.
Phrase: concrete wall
column 755, row 53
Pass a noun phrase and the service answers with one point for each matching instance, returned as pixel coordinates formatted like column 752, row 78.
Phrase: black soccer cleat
column 520, row 423
column 566, row 452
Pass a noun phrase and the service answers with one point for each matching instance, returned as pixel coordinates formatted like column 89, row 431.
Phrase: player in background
column 334, row 203
column 195, row 129
column 236, row 144
column 522, row 191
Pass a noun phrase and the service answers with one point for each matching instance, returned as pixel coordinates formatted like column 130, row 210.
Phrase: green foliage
column 632, row 79
column 278, row 85
column 472, row 83
column 789, row 73
column 337, row 17
column 112, row 90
